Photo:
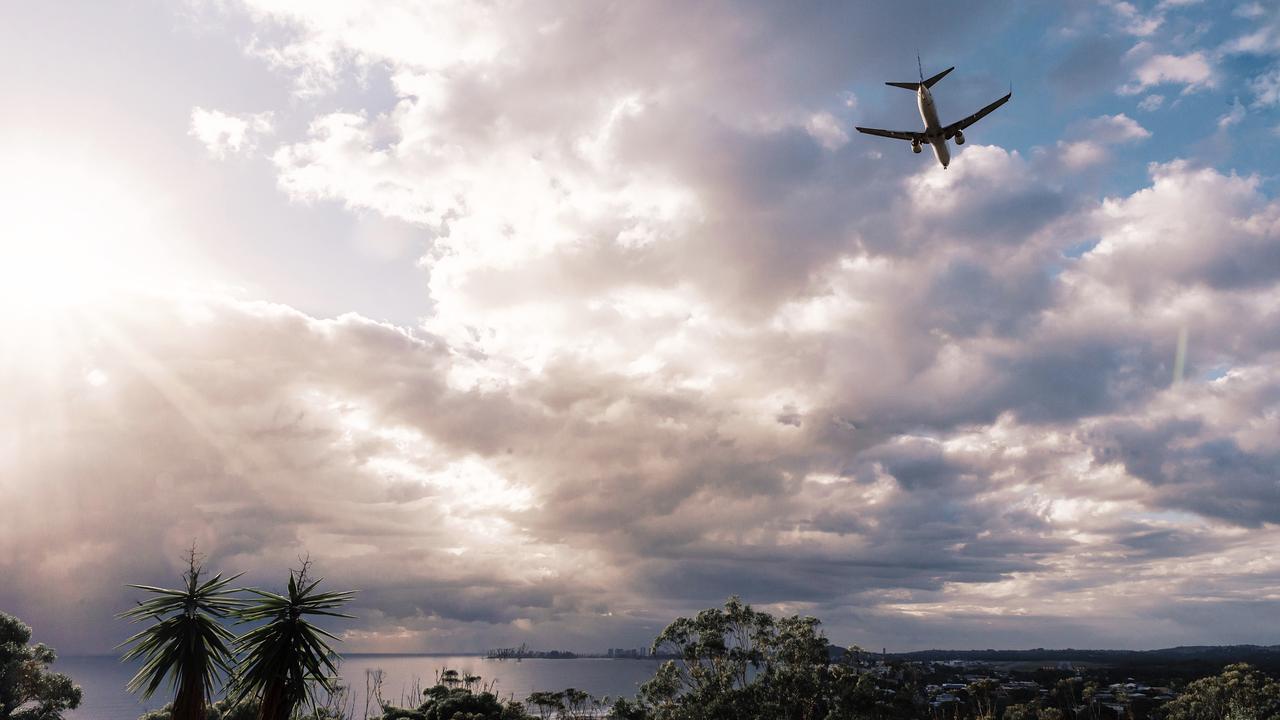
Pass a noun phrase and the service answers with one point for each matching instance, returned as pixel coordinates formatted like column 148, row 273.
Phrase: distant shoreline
column 1181, row 652
column 345, row 654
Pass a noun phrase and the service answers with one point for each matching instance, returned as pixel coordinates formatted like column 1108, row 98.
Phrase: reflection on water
column 103, row 678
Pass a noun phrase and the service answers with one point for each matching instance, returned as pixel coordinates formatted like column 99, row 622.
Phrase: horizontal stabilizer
column 906, row 86
column 933, row 80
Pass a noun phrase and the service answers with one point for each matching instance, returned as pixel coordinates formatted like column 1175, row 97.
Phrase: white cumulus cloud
column 225, row 134
column 1194, row 71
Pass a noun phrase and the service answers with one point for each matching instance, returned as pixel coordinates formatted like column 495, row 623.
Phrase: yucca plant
column 286, row 660
column 187, row 644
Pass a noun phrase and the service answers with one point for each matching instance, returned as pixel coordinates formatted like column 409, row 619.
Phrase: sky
column 548, row 322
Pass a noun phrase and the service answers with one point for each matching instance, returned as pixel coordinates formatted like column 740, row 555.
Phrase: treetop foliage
column 274, row 667
column 28, row 690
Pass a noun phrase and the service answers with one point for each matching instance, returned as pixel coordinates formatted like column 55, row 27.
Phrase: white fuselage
column 933, row 128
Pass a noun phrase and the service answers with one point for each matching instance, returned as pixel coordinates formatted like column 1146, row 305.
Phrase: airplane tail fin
column 933, row 80
column 906, row 86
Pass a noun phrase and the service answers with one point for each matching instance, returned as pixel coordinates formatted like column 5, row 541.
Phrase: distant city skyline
column 549, row 323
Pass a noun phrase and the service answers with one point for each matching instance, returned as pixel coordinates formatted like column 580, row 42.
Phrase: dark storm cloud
column 1083, row 377
column 1163, row 543
column 1211, row 476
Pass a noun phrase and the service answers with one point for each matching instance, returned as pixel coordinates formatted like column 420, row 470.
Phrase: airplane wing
column 895, row 134
column 959, row 125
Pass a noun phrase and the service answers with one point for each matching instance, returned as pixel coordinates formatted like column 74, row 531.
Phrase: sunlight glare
column 72, row 234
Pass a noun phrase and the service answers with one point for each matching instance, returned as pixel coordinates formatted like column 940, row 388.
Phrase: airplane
column 934, row 133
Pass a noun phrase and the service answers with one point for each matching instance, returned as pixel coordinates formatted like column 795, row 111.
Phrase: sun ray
column 83, row 246
column 185, row 400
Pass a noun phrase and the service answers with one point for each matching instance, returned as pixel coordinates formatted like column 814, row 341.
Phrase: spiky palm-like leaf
column 187, row 644
column 288, row 658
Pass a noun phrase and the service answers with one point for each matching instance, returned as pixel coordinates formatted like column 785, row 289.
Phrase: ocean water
column 102, row 678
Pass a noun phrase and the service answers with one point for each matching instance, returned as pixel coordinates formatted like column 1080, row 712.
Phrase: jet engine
column 959, row 138
column 915, row 146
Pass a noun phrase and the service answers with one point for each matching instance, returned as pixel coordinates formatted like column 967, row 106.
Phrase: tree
column 855, row 694
column 187, row 644
column 737, row 662
column 223, row 709
column 796, row 678
column 983, row 694
column 228, row 709
column 1239, row 693
column 28, row 691
column 578, row 704
column 451, row 702
column 1065, row 693
column 286, row 659
column 1023, row 711
column 1090, row 697
column 549, row 704
column 624, row 709
column 719, row 650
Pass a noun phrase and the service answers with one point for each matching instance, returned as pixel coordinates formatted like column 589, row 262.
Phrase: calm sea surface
column 103, row 679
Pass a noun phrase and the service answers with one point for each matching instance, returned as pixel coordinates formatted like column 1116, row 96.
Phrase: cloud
column 684, row 341
column 1233, row 116
column 224, row 135
column 1194, row 71
column 461, row 487
column 825, row 128
column 706, row 349
column 1134, row 21
column 1161, row 234
column 1151, row 103
column 1266, row 89
column 1182, row 455
column 1113, row 129
column 1249, row 10
column 1082, row 153
column 311, row 455
column 1095, row 136
column 1264, row 37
